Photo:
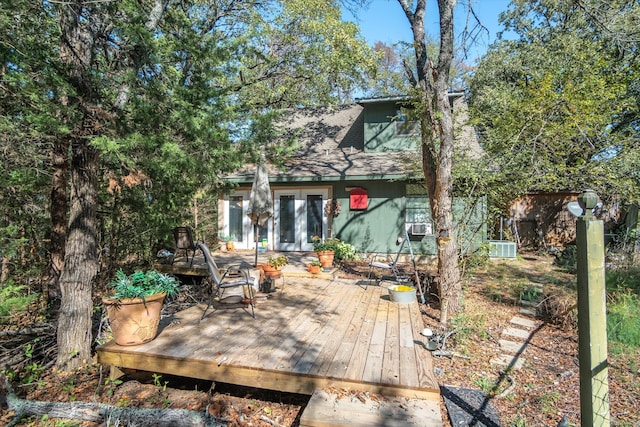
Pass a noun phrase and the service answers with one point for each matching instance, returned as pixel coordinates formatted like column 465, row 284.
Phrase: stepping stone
column 512, row 346
column 528, row 303
column 516, row 332
column 513, row 362
column 521, row 321
column 527, row 311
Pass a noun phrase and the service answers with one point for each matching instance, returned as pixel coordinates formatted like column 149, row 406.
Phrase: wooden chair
column 233, row 277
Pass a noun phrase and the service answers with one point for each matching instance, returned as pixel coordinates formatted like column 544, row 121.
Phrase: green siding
column 377, row 228
column 380, row 130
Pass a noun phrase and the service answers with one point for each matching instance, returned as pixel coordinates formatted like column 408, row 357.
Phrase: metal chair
column 389, row 265
column 233, row 277
column 183, row 238
column 392, row 266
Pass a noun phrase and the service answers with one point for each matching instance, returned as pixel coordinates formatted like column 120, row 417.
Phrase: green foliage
column 158, row 383
column 278, row 262
column 485, row 385
column 557, row 106
column 342, row 251
column 32, row 371
column 518, row 421
column 141, row 285
column 13, row 298
column 478, row 258
column 567, row 258
column 623, row 308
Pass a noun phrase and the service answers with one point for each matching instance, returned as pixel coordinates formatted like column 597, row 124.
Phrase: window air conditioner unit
column 420, row 229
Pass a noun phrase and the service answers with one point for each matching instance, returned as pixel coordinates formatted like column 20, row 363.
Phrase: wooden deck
column 312, row 333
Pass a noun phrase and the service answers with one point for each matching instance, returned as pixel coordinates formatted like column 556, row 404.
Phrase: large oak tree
column 557, row 105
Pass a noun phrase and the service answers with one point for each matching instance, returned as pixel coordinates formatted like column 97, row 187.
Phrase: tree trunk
column 60, row 162
column 438, row 143
column 80, row 263
column 78, row 36
column 450, row 283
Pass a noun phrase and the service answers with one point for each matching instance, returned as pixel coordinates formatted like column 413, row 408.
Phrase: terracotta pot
column 133, row 321
column 325, row 258
column 313, row 269
column 272, row 272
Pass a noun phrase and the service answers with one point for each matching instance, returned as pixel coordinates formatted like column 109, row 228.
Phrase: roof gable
column 332, row 145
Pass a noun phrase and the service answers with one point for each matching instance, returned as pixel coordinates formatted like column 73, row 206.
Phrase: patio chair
column 389, row 266
column 392, row 266
column 232, row 277
column 183, row 238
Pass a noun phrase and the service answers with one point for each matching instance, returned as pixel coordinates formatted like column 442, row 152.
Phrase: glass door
column 298, row 217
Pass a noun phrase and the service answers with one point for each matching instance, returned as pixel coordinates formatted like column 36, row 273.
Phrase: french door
column 298, row 217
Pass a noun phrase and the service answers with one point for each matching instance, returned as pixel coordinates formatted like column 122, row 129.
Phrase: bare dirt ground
column 544, row 391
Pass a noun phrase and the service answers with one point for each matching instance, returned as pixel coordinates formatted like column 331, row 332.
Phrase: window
column 405, row 126
column 235, row 218
column 418, row 211
column 314, row 217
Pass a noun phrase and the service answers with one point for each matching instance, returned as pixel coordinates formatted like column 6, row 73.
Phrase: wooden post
column 592, row 320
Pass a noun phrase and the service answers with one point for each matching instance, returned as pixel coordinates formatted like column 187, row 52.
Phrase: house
column 357, row 176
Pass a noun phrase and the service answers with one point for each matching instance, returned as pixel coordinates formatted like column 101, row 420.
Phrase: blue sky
column 384, row 21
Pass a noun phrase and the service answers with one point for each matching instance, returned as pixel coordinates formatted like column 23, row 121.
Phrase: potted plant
column 134, row 304
column 228, row 243
column 325, row 249
column 314, row 267
column 273, row 267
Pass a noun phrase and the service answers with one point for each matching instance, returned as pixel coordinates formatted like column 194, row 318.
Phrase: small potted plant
column 273, row 267
column 314, row 267
column 134, row 304
column 228, row 243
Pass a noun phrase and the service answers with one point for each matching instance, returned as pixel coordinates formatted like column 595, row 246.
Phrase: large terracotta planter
column 133, row 321
column 326, row 258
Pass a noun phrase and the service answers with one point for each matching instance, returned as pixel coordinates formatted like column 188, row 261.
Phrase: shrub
column 623, row 320
column 13, row 298
column 623, row 316
column 566, row 258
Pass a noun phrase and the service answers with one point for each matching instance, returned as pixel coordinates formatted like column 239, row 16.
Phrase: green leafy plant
column 141, row 285
column 158, row 383
column 342, row 251
column 623, row 306
column 69, row 387
column 315, row 263
column 13, row 298
column 278, row 262
column 484, row 384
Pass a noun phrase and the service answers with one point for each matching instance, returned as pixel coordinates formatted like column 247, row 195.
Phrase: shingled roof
column 331, row 141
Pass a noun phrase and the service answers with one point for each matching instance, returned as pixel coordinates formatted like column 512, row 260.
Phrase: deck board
column 315, row 333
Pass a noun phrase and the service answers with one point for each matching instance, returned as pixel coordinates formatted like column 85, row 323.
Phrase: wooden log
column 102, row 413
